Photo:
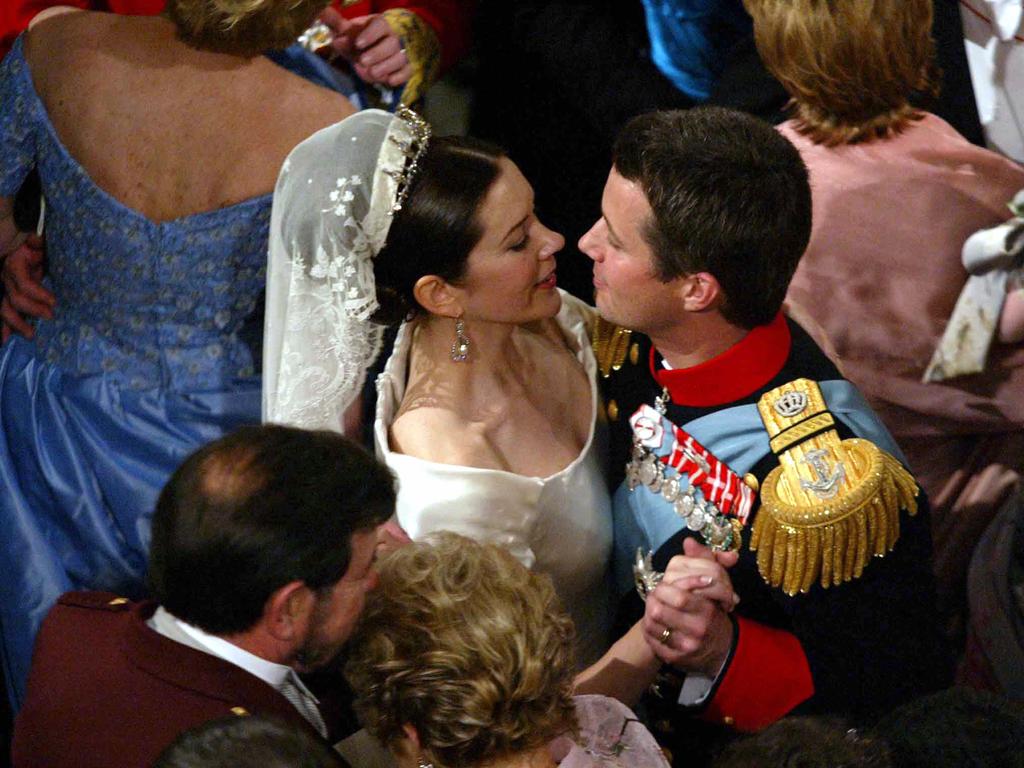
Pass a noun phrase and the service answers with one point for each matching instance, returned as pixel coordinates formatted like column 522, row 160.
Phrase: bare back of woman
column 164, row 128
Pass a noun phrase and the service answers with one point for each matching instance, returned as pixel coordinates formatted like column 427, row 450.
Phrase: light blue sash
column 737, row 437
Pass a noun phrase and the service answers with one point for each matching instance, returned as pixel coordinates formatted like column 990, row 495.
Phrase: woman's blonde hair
column 851, row 66
column 460, row 641
column 242, row 27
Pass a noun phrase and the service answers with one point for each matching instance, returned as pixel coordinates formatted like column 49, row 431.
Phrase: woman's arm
column 631, row 665
column 1011, row 321
column 625, row 671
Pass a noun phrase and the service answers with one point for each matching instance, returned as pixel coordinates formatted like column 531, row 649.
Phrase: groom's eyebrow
column 611, row 230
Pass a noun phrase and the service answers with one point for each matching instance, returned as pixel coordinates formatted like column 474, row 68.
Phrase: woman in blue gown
column 158, row 141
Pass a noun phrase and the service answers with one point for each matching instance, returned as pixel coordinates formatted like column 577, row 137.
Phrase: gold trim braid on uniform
column 831, row 504
column 610, row 343
column 422, row 49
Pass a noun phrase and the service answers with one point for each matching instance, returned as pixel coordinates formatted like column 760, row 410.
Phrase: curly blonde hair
column 851, row 66
column 242, row 27
column 460, row 641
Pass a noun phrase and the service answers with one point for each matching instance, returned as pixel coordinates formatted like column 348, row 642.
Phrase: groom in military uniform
column 745, row 453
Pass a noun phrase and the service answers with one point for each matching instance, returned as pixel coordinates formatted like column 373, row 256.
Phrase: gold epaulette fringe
column 831, row 505
column 610, row 343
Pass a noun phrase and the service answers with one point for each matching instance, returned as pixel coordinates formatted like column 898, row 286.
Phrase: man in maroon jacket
column 261, row 557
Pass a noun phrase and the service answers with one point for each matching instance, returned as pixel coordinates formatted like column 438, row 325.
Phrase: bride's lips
column 548, row 282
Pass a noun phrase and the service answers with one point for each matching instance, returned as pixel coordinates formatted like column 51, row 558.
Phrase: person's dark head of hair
column 246, row 742
column 438, row 225
column 956, row 727
column 805, row 742
column 256, row 510
column 729, row 195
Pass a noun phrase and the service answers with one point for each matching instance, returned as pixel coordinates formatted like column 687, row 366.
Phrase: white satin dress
column 559, row 525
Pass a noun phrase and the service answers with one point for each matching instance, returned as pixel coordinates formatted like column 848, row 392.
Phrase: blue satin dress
column 144, row 362
column 691, row 39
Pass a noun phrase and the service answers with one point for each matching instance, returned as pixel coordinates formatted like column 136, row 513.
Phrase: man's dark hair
column 805, row 742
column 438, row 224
column 256, row 510
column 246, row 742
column 956, row 727
column 729, row 195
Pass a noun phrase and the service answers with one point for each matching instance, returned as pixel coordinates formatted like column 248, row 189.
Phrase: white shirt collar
column 270, row 672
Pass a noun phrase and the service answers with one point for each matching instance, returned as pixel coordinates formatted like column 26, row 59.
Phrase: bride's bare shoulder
column 428, row 429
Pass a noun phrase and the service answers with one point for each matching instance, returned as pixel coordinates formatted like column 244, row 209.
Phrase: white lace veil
column 331, row 214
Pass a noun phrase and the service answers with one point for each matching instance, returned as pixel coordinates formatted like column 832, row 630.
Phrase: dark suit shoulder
column 806, row 361
column 109, row 602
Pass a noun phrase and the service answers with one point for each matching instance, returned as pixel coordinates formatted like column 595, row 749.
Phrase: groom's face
column 626, row 289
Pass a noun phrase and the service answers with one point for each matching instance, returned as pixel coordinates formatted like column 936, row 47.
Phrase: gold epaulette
column 610, row 343
column 421, row 47
column 831, row 504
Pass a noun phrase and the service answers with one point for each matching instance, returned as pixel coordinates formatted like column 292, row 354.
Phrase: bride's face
column 510, row 274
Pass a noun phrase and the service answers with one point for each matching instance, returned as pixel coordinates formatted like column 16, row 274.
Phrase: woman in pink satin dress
column 896, row 192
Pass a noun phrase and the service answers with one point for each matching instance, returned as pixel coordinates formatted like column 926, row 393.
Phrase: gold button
column 613, row 410
column 634, row 353
column 728, row 720
column 118, row 601
column 751, row 482
column 240, row 711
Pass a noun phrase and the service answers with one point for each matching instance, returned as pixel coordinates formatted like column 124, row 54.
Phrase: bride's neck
column 492, row 346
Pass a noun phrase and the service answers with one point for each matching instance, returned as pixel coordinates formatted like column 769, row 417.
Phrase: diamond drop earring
column 460, row 347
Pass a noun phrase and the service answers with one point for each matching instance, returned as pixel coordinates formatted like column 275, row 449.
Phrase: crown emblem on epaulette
column 413, row 149
column 790, row 404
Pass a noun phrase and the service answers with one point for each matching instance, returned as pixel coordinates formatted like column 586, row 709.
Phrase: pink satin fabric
column 880, row 278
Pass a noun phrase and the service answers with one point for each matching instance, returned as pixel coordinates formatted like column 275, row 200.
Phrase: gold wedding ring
column 665, row 635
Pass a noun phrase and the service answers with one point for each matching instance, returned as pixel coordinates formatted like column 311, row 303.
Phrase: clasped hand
column 371, row 46
column 694, row 601
column 24, row 295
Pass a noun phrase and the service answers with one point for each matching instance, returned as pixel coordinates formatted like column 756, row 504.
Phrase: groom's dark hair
column 729, row 195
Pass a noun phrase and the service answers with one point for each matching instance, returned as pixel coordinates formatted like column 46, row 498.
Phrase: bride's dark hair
column 437, row 227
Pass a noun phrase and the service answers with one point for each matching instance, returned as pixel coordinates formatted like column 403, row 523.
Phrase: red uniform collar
column 742, row 369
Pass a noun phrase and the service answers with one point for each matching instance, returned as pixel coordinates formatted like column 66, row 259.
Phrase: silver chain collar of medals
column 700, row 516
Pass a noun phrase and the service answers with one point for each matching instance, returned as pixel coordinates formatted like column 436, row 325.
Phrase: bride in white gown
column 487, row 407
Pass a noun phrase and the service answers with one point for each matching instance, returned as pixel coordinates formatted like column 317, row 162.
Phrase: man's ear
column 701, row 291
column 437, row 296
column 288, row 609
column 411, row 734
column 407, row 748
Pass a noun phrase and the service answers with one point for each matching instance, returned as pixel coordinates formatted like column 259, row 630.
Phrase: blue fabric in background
column 691, row 38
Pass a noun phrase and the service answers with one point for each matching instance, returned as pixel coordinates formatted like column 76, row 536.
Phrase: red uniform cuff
column 767, row 676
